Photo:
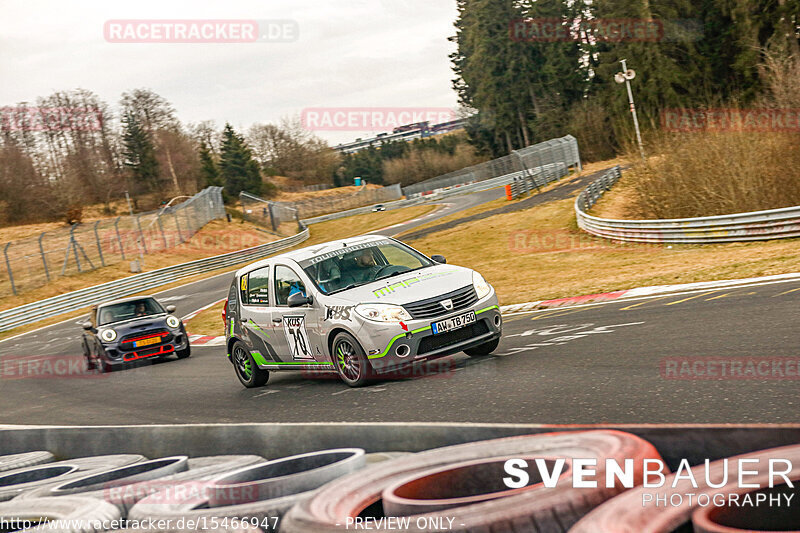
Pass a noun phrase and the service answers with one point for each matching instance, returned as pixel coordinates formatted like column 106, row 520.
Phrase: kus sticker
column 338, row 312
column 295, row 329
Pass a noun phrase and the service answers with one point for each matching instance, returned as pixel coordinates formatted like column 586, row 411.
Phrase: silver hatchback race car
column 361, row 307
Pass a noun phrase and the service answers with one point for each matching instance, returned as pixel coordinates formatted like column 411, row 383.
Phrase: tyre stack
column 455, row 488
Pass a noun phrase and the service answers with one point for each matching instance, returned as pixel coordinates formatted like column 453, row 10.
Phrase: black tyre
column 20, row 481
column 24, row 460
column 183, row 354
column 483, row 349
column 90, row 362
column 351, row 362
column 264, row 491
column 76, row 514
column 246, row 368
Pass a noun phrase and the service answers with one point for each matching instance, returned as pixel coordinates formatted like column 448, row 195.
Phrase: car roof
column 125, row 300
column 312, row 251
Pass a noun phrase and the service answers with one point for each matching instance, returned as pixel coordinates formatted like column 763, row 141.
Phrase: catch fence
column 553, row 153
column 34, row 261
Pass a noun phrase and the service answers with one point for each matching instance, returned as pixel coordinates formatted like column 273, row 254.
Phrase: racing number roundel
column 296, row 336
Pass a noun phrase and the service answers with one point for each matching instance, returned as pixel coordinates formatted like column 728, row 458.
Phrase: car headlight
column 173, row 322
column 481, row 287
column 382, row 312
column 108, row 335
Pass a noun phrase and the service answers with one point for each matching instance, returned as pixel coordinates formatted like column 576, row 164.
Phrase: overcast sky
column 350, row 53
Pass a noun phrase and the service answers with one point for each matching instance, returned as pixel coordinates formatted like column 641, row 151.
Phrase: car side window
column 287, row 282
column 255, row 287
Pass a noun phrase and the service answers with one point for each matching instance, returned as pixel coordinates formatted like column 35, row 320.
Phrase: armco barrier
column 72, row 301
column 755, row 226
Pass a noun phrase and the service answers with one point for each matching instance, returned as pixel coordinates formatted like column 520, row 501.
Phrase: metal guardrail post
column 44, row 257
column 161, row 229
column 271, row 209
column 119, row 238
column 141, row 234
column 8, row 268
column 178, row 226
column 71, row 247
column 99, row 247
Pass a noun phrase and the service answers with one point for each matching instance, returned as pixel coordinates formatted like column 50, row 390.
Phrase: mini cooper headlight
column 481, row 287
column 173, row 322
column 108, row 335
column 383, row 312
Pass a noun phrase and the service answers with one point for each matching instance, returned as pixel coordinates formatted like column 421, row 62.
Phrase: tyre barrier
column 125, row 492
column 531, row 510
column 732, row 519
column 101, row 484
column 80, row 514
column 456, row 485
column 263, row 491
column 318, row 492
column 21, row 480
column 21, row 460
column 626, row 512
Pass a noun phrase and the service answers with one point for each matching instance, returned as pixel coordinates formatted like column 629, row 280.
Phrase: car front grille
column 127, row 341
column 432, row 307
column 443, row 340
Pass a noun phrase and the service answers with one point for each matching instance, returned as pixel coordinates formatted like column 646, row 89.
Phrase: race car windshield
column 128, row 310
column 359, row 265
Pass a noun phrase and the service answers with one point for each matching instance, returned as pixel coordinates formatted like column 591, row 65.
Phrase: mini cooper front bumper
column 136, row 347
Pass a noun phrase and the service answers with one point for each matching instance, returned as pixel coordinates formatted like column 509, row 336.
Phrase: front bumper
column 420, row 344
column 118, row 355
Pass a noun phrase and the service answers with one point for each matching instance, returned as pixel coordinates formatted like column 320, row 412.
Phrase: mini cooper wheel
column 183, row 354
column 91, row 363
column 483, row 349
column 351, row 361
column 246, row 369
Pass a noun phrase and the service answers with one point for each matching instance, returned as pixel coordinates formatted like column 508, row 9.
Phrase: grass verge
column 539, row 254
column 207, row 322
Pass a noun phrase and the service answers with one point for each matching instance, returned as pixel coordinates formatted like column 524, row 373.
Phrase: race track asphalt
column 609, row 363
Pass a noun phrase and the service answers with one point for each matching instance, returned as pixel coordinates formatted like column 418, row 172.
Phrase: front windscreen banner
column 344, row 250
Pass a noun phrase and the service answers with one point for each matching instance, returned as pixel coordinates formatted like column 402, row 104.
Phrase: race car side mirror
column 439, row 259
column 171, row 308
column 87, row 325
column 298, row 299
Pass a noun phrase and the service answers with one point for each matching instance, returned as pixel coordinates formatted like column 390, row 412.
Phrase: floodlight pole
column 633, row 109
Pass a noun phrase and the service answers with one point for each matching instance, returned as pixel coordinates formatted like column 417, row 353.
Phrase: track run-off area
column 727, row 355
